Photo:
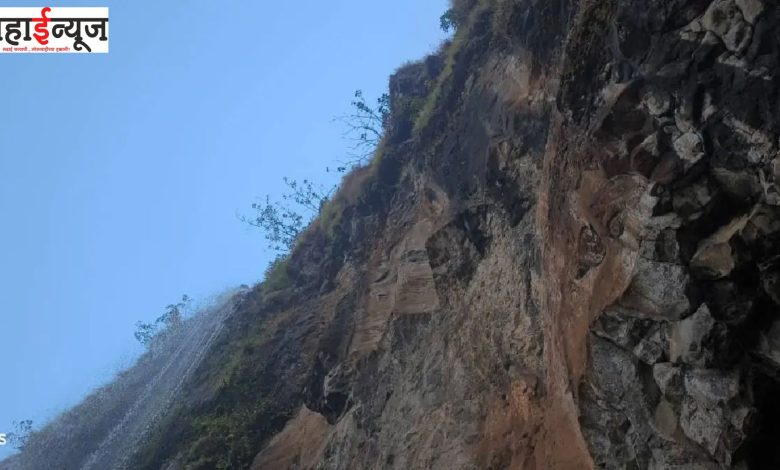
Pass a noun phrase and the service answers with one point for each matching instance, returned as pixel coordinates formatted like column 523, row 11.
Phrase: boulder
column 687, row 335
column 711, row 387
column 714, row 258
column 657, row 290
column 713, row 261
column 669, row 379
column 769, row 345
column 702, row 424
column 724, row 19
column 751, row 9
column 689, row 148
column 689, row 201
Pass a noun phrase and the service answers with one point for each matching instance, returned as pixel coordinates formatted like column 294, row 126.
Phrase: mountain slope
column 564, row 255
column 105, row 429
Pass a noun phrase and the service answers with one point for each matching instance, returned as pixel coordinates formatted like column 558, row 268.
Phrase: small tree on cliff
column 145, row 332
column 167, row 323
column 365, row 127
column 449, row 21
column 282, row 221
column 174, row 314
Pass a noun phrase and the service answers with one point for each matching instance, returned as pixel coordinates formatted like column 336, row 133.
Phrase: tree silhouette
column 365, row 128
column 167, row 323
column 282, row 221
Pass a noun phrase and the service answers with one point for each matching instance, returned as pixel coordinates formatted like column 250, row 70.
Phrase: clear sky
column 121, row 174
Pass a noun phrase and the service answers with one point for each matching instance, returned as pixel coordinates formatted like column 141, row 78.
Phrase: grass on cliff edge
column 276, row 276
column 450, row 50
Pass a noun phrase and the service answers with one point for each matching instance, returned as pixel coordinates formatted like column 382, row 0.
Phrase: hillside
column 563, row 255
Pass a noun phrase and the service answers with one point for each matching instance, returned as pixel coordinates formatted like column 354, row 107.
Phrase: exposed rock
column 714, row 258
column 669, row 379
column 740, row 184
column 711, row 387
column 667, row 247
column 658, row 102
column 691, row 200
column 615, row 424
column 729, row 303
column 512, row 284
column 300, row 444
column 724, row 19
column 652, row 347
column 687, row 336
column 769, row 345
column 703, row 424
column 751, row 9
column 665, row 420
column 657, row 290
column 689, row 147
column 709, row 415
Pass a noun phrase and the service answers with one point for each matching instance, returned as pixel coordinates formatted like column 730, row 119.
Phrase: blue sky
column 121, row 174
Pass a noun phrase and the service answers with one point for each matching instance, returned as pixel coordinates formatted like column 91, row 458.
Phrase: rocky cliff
column 564, row 255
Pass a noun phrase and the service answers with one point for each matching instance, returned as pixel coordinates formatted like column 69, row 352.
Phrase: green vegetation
column 163, row 438
column 222, row 440
column 450, row 50
column 166, row 324
column 247, row 387
column 283, row 221
column 243, row 407
column 365, row 127
column 276, row 275
column 330, row 216
column 450, row 20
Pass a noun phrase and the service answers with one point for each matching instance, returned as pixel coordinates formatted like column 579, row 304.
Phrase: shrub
column 449, row 20
column 276, row 275
column 283, row 221
column 450, row 50
column 168, row 323
column 365, row 128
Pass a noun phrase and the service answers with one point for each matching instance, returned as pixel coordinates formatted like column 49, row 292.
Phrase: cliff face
column 564, row 255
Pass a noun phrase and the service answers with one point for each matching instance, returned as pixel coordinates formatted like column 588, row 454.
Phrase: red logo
column 41, row 33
